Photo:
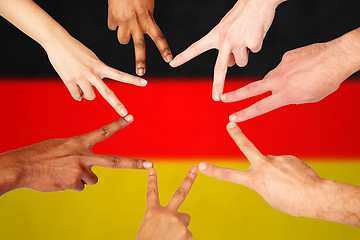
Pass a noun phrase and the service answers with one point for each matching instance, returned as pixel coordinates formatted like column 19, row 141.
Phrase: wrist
column 10, row 175
column 275, row 3
column 348, row 53
column 54, row 39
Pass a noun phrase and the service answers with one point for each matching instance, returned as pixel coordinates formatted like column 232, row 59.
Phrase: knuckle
column 181, row 192
column 118, row 105
column 288, row 55
column 108, row 92
column 137, row 163
column 152, row 192
column 258, row 107
column 166, row 50
column 91, row 96
column 159, row 37
column 80, row 187
column 104, row 131
column 115, row 161
column 140, row 62
column 243, row 61
column 173, row 218
column 255, row 45
column 226, row 173
column 255, row 181
column 140, row 43
column 95, row 179
column 244, row 144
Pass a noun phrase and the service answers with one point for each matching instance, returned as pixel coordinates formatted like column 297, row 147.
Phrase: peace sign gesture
column 61, row 164
column 241, row 30
column 166, row 222
column 285, row 182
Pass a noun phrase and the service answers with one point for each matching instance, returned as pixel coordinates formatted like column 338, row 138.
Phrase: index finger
column 152, row 192
column 91, row 138
column 184, row 189
column 247, row 147
column 194, row 50
column 158, row 37
column 117, row 162
column 114, row 74
column 220, row 70
column 110, row 97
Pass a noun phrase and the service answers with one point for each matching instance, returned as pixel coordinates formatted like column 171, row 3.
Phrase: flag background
column 176, row 125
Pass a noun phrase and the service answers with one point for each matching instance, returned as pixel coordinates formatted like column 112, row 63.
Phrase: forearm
column 338, row 202
column 348, row 52
column 32, row 20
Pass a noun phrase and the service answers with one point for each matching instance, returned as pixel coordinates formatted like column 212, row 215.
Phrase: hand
column 244, row 27
column 166, row 222
column 305, row 75
column 76, row 65
column 81, row 70
column 135, row 17
column 285, row 182
column 61, row 164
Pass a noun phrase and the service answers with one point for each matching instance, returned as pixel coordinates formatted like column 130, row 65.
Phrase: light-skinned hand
column 242, row 29
column 78, row 67
column 166, row 222
column 81, row 71
column 290, row 185
column 305, row 75
column 135, row 18
column 61, row 164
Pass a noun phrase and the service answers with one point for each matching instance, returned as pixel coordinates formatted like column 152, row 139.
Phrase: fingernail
column 141, row 71
column 123, row 112
column 202, row 166
column 223, row 97
column 216, row 97
column 194, row 169
column 128, row 118
column 231, row 125
column 152, row 171
column 143, row 82
column 168, row 58
column 172, row 63
column 232, row 118
column 147, row 164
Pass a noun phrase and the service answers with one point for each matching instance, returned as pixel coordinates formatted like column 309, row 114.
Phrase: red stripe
column 178, row 118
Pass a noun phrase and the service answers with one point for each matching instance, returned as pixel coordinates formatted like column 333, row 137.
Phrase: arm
column 242, row 29
column 305, row 75
column 135, row 18
column 77, row 66
column 289, row 185
column 166, row 222
column 61, row 164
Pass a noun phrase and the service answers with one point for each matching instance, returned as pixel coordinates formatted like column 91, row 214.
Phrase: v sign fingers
column 117, row 75
column 220, row 70
column 152, row 192
column 250, row 90
column 117, row 162
column 91, row 138
column 197, row 48
column 181, row 193
column 159, row 39
column 263, row 106
column 247, row 147
column 166, row 222
column 225, row 174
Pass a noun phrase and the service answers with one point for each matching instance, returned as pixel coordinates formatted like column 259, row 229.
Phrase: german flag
column 176, row 124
